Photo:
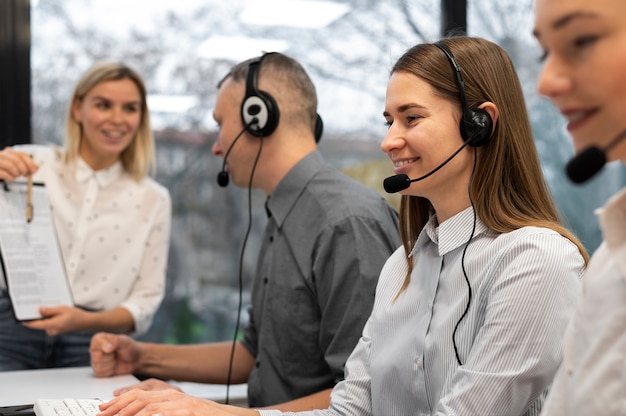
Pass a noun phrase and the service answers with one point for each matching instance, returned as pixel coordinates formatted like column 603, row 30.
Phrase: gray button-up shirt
column 325, row 243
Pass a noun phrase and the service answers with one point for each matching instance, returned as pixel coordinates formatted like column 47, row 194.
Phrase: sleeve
column 555, row 404
column 347, row 261
column 149, row 289
column 518, row 348
column 250, row 338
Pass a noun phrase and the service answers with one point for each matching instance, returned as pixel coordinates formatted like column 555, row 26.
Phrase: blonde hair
column 508, row 189
column 138, row 158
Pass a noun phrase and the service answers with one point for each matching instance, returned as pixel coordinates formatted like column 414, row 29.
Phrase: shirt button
column 265, row 280
column 257, row 364
column 418, row 362
column 271, row 238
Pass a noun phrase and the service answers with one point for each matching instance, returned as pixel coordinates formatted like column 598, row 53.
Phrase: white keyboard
column 66, row 407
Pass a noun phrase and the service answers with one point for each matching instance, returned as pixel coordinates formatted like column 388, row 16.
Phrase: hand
column 151, row 384
column 113, row 354
column 168, row 402
column 14, row 164
column 60, row 319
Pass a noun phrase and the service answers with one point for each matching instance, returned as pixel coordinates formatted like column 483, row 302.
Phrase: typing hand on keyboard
column 67, row 407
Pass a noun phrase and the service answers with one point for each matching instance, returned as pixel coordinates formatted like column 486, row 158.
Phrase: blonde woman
column 112, row 220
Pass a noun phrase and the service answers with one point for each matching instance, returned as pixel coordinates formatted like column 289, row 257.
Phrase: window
column 182, row 49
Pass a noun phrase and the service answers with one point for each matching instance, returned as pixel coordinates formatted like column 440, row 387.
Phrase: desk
column 24, row 387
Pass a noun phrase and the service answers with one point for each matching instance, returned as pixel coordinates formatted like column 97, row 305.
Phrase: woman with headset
column 470, row 310
column 583, row 74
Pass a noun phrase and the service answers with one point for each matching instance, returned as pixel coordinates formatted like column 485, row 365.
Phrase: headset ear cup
column 261, row 106
column 479, row 131
column 319, row 128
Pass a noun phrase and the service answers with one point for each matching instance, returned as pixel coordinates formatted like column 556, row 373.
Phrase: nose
column 392, row 141
column 554, row 78
column 216, row 149
column 117, row 115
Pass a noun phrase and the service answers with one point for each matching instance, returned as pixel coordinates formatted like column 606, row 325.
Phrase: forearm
column 203, row 363
column 113, row 320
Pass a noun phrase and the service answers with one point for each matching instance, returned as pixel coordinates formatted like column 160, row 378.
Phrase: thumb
column 104, row 342
column 109, row 345
column 47, row 311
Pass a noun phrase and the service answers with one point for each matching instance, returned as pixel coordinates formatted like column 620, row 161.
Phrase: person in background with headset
column 326, row 241
column 470, row 311
column 584, row 46
column 112, row 219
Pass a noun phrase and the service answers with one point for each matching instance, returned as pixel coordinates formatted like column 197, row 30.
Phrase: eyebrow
column 403, row 108
column 567, row 19
column 103, row 98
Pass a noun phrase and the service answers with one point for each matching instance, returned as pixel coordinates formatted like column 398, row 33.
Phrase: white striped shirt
column 592, row 378
column 525, row 285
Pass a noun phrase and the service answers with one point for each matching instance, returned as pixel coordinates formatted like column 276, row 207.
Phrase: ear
column 493, row 112
column 76, row 109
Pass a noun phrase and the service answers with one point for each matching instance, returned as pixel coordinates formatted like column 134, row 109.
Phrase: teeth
column 400, row 163
column 114, row 133
column 576, row 116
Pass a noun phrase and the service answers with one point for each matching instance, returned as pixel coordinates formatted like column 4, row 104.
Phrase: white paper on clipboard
column 30, row 255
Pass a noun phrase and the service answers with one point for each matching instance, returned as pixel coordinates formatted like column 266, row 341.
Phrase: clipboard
column 30, row 255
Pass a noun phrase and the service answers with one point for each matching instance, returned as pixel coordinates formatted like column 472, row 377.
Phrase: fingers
column 150, row 384
column 104, row 342
column 103, row 354
column 165, row 403
column 55, row 320
column 113, row 354
column 14, row 164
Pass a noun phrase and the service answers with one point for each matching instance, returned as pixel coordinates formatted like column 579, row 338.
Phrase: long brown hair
column 508, row 188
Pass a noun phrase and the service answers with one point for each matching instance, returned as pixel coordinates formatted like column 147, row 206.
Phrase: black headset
column 476, row 123
column 259, row 111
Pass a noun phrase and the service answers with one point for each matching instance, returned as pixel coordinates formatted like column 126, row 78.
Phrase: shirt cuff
column 270, row 412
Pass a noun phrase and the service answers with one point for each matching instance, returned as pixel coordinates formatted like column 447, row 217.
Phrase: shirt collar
column 290, row 188
column 104, row 177
column 612, row 219
column 450, row 234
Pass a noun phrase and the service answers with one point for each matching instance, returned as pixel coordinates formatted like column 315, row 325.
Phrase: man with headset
column 326, row 241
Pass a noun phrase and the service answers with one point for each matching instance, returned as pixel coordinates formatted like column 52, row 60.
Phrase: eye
column 131, row 108
column 388, row 123
column 410, row 119
column 586, row 40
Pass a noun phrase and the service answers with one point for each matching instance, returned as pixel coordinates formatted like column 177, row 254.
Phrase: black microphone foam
column 396, row 183
column 589, row 162
column 222, row 178
column 586, row 164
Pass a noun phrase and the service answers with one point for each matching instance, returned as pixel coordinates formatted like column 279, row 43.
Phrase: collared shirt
column 525, row 284
column 592, row 378
column 324, row 246
column 113, row 232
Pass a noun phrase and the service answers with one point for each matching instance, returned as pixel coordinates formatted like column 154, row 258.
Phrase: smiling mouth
column 114, row 134
column 576, row 118
column 400, row 163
